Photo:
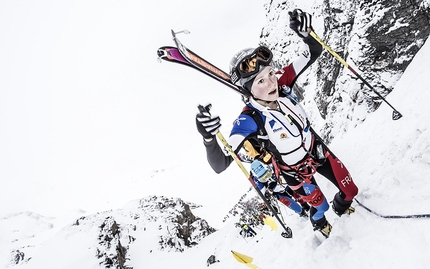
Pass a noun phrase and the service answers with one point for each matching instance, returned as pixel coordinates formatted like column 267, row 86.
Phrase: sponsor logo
column 234, row 78
column 207, row 65
column 272, row 123
column 277, row 129
column 306, row 54
column 237, row 121
column 283, row 136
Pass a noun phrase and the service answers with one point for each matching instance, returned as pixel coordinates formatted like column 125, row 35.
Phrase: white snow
column 90, row 121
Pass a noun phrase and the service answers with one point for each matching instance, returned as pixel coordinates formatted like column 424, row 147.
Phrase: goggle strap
column 234, row 78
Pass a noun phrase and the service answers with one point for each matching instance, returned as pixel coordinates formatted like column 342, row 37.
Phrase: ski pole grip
column 206, row 108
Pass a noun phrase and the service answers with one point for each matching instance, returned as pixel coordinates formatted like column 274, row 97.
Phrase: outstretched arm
column 300, row 22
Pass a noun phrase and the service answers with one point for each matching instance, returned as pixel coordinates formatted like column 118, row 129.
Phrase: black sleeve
column 216, row 157
column 308, row 57
column 314, row 47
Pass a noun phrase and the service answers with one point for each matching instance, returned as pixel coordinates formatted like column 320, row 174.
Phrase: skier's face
column 265, row 86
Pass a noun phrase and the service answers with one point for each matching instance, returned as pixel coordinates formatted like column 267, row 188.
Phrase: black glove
column 300, row 22
column 207, row 125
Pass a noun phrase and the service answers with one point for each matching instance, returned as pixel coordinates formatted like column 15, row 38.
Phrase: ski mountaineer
column 279, row 127
column 246, row 230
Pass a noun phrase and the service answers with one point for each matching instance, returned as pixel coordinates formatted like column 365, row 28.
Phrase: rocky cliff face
column 176, row 229
column 182, row 228
column 377, row 38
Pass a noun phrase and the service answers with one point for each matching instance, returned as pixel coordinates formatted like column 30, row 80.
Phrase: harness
column 304, row 170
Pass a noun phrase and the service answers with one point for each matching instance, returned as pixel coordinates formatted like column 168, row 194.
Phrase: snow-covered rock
column 378, row 39
column 105, row 238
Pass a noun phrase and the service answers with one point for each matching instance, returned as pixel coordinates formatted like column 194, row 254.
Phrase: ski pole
column 288, row 232
column 396, row 114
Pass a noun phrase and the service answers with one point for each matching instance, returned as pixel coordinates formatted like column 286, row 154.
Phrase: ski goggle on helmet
column 247, row 63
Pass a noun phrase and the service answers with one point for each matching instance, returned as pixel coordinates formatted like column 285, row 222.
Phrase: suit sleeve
column 311, row 51
column 243, row 127
column 216, row 157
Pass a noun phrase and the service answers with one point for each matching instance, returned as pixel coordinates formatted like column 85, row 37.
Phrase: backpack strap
column 260, row 140
column 261, row 132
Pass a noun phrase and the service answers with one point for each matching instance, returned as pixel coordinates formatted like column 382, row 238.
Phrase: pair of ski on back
column 182, row 55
